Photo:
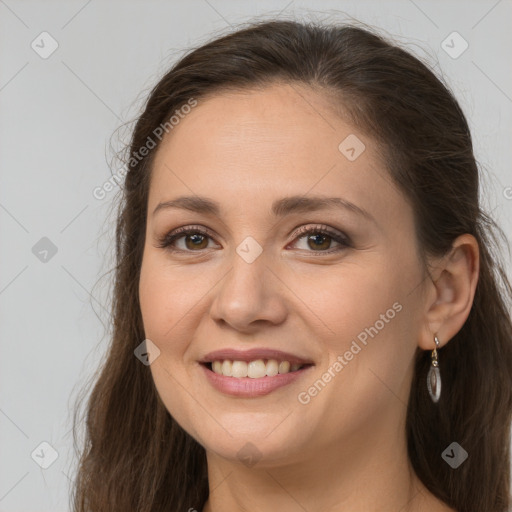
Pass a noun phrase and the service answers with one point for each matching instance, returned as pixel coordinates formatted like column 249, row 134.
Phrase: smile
column 254, row 369
column 253, row 378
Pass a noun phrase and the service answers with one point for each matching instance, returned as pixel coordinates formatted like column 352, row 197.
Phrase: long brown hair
column 134, row 454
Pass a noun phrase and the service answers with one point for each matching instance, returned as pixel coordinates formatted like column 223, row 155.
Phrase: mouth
column 254, row 378
column 255, row 369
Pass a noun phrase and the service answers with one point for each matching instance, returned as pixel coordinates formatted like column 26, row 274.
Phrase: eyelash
column 166, row 241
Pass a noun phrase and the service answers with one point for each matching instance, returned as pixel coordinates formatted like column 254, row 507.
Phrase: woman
column 307, row 311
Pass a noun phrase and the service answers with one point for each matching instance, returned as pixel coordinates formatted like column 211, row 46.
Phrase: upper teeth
column 253, row 369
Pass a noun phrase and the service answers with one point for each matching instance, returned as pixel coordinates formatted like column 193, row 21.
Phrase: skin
column 346, row 448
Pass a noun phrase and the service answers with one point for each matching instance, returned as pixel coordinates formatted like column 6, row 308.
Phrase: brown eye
column 320, row 238
column 194, row 240
column 319, row 241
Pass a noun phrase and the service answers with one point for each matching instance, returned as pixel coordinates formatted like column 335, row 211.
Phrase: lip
column 246, row 387
column 252, row 355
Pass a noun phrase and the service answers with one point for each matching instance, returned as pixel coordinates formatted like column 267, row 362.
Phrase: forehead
column 243, row 147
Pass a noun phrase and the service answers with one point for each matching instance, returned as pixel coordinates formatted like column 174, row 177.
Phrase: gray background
column 57, row 118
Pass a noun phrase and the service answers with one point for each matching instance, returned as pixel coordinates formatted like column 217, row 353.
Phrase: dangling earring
column 434, row 375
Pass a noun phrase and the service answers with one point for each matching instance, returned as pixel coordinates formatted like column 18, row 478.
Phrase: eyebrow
column 280, row 207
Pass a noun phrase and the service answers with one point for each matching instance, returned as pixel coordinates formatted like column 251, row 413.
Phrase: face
column 333, row 284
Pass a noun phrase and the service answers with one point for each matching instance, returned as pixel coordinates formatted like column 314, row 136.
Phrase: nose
column 249, row 296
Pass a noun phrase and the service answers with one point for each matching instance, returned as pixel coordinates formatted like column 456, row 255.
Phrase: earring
column 434, row 375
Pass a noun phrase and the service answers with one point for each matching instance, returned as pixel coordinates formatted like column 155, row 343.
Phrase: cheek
column 167, row 296
column 350, row 299
column 168, row 318
column 163, row 308
column 371, row 329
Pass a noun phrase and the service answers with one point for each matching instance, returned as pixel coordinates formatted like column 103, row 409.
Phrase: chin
column 252, row 446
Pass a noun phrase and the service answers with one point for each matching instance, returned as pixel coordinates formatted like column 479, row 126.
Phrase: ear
column 450, row 293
